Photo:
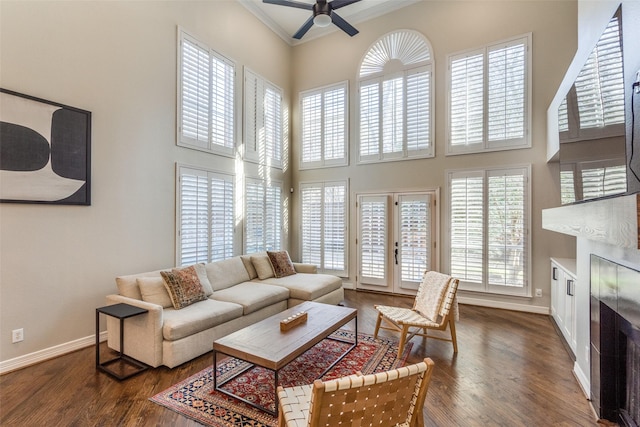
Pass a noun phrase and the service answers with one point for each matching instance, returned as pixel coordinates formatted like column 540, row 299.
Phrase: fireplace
column 615, row 342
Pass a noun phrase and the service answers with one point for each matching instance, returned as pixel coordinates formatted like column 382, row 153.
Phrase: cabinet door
column 557, row 295
column 570, row 311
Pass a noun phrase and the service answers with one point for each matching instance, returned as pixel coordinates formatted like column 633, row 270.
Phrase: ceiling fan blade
column 303, row 30
column 290, row 3
column 343, row 25
column 337, row 4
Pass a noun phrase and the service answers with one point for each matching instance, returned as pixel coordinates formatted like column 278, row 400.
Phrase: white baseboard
column 583, row 380
column 504, row 305
column 49, row 353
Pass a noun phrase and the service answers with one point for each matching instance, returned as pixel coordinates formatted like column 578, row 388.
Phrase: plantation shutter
column 273, row 219
column 252, row 114
column 312, row 128
column 567, row 186
column 466, row 109
column 506, row 231
column 506, row 91
column 370, row 121
column 392, row 115
column 418, row 112
column 273, row 125
column 222, row 103
column 373, row 242
column 603, row 181
column 206, row 219
column 415, row 236
column 335, row 225
column 222, row 218
column 194, row 216
column 254, row 217
column 467, row 226
column 335, row 125
column 195, row 85
column 311, row 239
column 262, row 120
column 600, row 85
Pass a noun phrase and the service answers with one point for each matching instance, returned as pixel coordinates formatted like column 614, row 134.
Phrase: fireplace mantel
column 615, row 221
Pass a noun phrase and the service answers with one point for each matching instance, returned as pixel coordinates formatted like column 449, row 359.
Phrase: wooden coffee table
column 263, row 344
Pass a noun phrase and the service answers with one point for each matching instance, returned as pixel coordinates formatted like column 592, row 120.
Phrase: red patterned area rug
column 196, row 399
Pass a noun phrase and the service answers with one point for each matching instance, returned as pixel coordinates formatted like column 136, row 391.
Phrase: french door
column 397, row 236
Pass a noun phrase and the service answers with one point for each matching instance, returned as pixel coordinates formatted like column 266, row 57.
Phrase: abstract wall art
column 45, row 150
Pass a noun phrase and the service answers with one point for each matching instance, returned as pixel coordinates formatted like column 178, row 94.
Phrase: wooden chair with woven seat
column 391, row 398
column 433, row 308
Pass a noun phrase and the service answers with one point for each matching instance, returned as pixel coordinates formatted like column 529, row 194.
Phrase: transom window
column 396, row 98
column 489, row 97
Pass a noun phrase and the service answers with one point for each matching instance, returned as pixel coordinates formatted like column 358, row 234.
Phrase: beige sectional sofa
column 243, row 290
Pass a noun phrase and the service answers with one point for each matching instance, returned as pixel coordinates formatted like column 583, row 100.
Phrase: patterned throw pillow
column 281, row 263
column 183, row 286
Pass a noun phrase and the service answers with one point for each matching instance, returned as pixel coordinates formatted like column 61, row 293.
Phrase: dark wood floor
column 511, row 370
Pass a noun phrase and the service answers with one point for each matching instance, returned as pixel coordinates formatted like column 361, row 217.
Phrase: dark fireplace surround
column 615, row 342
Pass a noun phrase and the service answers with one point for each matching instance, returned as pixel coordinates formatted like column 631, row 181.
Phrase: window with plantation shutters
column 324, row 126
column 205, row 216
column 206, row 82
column 489, row 248
column 263, row 216
column 489, row 97
column 395, row 99
column 414, row 235
column 263, row 120
column 324, row 225
column 594, row 105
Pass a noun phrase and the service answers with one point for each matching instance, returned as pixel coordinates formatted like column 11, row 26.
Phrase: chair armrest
column 305, row 268
column 143, row 333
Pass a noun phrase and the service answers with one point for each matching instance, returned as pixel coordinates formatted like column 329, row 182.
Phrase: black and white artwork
column 44, row 151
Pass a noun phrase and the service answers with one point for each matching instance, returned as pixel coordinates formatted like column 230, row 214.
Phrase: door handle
column 396, row 255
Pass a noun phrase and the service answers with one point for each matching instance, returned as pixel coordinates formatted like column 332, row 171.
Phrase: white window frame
column 265, row 244
column 320, row 121
column 321, row 219
column 263, row 121
column 410, row 60
column 224, row 142
column 485, row 144
column 213, row 237
column 484, row 285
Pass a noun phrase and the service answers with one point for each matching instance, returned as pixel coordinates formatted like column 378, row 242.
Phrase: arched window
column 396, row 98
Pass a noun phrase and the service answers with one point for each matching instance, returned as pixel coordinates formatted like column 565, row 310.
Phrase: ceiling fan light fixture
column 322, row 20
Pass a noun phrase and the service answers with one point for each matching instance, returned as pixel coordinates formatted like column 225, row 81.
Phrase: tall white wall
column 117, row 60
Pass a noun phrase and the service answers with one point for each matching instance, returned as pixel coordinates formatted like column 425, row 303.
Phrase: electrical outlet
column 17, row 335
column 538, row 293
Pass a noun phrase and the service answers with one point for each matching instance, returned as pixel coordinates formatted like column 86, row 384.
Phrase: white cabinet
column 563, row 301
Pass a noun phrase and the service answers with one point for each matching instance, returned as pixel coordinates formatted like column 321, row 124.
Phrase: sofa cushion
column 252, row 296
column 305, row 286
column 128, row 286
column 204, row 279
column 154, row 291
column 246, row 260
column 281, row 263
column 263, row 266
column 183, row 286
column 226, row 273
column 197, row 317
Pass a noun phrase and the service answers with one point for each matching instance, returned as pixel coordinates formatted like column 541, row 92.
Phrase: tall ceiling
column 285, row 21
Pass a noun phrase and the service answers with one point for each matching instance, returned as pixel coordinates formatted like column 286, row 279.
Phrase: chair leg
column 378, row 322
column 452, row 329
column 403, row 339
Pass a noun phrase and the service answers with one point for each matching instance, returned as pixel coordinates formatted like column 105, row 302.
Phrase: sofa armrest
column 305, row 268
column 143, row 333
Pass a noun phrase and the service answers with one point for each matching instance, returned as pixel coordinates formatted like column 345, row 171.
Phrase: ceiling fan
column 323, row 14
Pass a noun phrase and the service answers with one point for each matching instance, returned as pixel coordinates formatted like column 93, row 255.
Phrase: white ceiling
column 285, row 21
